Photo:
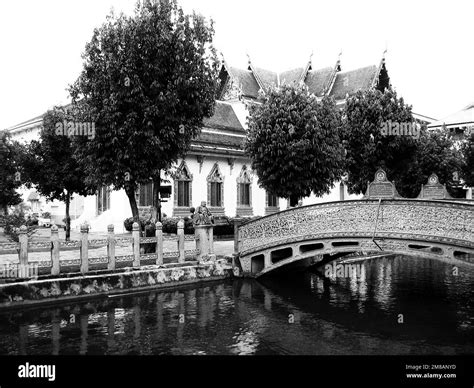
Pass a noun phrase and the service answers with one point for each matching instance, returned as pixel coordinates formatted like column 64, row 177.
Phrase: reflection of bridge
column 423, row 228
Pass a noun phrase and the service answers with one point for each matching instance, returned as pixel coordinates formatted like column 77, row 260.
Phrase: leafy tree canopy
column 468, row 154
column 435, row 153
column 10, row 180
column 367, row 148
column 148, row 81
column 294, row 142
column 408, row 158
column 49, row 163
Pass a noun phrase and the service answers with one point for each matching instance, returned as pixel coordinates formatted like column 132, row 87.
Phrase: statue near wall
column 203, row 215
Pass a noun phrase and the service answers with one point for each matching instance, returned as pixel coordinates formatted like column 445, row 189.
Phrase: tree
column 10, row 172
column 408, row 158
column 435, row 153
column 294, row 143
column 148, row 81
column 50, row 165
column 367, row 147
column 468, row 155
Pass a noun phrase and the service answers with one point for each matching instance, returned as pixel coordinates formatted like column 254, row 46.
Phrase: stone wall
column 51, row 289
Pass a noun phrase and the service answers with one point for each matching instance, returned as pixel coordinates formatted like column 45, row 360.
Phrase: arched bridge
column 326, row 231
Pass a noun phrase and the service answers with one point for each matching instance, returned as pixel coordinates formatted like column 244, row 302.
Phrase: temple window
column 244, row 193
column 215, row 190
column 271, row 203
column 145, row 197
column 182, row 190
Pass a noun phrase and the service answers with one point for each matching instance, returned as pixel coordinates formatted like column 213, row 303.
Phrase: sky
column 430, row 56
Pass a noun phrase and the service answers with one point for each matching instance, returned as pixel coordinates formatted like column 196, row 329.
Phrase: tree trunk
column 156, row 211
column 130, row 191
column 68, row 219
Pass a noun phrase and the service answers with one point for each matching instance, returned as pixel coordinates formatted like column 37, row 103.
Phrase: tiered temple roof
column 331, row 81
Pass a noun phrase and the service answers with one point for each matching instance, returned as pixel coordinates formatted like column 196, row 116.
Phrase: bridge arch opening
column 281, row 254
column 257, row 263
column 345, row 244
column 311, row 247
column 427, row 248
column 464, row 256
column 416, row 246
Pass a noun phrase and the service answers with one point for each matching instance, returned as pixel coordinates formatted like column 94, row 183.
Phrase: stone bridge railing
column 448, row 223
column 137, row 255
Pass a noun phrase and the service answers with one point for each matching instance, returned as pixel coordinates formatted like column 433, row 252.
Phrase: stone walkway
column 220, row 248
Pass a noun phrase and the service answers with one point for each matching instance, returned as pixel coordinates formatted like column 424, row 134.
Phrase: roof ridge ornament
column 260, row 83
column 309, row 67
column 337, row 68
column 338, row 63
column 379, row 69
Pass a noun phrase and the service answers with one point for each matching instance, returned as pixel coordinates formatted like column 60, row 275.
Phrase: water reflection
column 299, row 313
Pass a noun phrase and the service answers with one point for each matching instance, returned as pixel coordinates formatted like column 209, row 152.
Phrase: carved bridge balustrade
column 423, row 228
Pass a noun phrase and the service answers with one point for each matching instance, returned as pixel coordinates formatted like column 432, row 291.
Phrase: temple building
column 458, row 123
column 216, row 168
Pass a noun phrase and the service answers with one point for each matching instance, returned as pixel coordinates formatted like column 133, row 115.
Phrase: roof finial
column 222, row 58
column 248, row 58
column 338, row 63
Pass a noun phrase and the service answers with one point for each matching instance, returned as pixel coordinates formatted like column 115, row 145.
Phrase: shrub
column 128, row 223
column 147, row 228
column 170, row 225
column 32, row 221
column 12, row 224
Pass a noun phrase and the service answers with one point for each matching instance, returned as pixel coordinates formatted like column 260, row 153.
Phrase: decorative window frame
column 144, row 211
column 245, row 177
column 215, row 176
column 138, row 194
column 271, row 209
column 182, row 174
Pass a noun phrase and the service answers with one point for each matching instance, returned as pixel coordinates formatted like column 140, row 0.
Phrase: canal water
column 395, row 305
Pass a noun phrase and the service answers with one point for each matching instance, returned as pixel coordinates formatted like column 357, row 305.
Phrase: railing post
column 111, row 247
column 23, row 240
column 237, row 222
column 159, row 243
column 84, row 248
column 136, row 244
column 180, row 232
column 55, row 268
column 204, row 237
column 211, row 239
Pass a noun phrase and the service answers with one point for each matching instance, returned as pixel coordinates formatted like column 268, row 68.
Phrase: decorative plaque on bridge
column 381, row 187
column 433, row 189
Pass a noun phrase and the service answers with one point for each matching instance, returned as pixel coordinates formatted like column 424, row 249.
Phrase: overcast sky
column 430, row 56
